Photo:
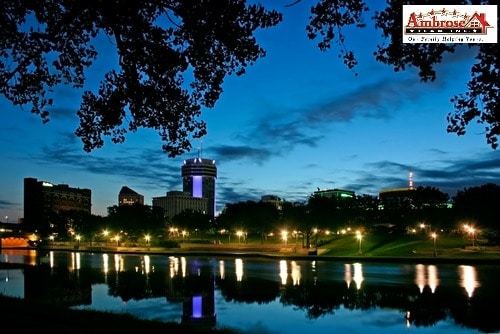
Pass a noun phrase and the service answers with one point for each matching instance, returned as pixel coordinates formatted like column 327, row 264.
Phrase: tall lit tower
column 198, row 179
column 410, row 180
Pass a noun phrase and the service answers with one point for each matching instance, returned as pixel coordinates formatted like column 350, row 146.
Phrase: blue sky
column 298, row 120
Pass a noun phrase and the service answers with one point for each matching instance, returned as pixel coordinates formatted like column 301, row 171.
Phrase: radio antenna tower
column 410, row 180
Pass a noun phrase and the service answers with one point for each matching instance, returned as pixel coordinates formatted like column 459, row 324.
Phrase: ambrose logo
column 449, row 24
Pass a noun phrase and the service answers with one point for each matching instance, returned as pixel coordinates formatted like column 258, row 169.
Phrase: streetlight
column 105, row 234
column 117, row 239
column 296, row 234
column 78, row 237
column 284, row 236
column 147, row 237
column 239, row 234
column 316, row 238
column 359, row 236
column 471, row 231
column 434, row 236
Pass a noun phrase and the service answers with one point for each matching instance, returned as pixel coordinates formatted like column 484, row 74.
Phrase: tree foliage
column 192, row 220
column 160, row 44
column 173, row 57
column 136, row 220
column 481, row 202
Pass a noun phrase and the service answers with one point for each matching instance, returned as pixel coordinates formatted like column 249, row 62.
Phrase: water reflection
column 468, row 279
column 426, row 276
column 424, row 296
column 283, row 272
column 296, row 275
column 358, row 274
column 239, row 269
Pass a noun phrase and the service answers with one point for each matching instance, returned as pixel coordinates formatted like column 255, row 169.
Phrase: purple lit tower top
column 198, row 179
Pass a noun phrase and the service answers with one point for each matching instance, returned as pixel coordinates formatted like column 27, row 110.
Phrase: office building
column 127, row 196
column 339, row 194
column 198, row 179
column 42, row 198
column 274, row 200
column 177, row 201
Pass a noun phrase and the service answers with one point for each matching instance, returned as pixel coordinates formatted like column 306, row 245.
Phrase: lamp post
column 78, row 237
column 434, row 236
column 117, row 239
column 239, row 234
column 284, row 236
column 316, row 238
column 359, row 236
column 470, row 229
column 105, row 234
column 147, row 237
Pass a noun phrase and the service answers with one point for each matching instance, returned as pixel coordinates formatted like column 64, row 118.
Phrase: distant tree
column 429, row 197
column 296, row 216
column 193, row 221
column 173, row 57
column 322, row 210
column 64, row 224
column 135, row 220
column 480, row 203
column 252, row 216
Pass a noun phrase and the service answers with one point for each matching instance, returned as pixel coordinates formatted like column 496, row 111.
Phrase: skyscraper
column 198, row 179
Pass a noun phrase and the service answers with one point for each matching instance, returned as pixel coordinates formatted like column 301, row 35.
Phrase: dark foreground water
column 262, row 296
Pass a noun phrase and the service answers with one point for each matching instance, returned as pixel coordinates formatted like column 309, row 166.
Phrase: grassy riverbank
column 411, row 247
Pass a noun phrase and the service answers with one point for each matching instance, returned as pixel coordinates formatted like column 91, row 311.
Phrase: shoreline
column 270, row 252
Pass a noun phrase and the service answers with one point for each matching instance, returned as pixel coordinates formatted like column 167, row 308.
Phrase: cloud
column 283, row 130
column 4, row 204
column 229, row 153
column 449, row 174
column 144, row 166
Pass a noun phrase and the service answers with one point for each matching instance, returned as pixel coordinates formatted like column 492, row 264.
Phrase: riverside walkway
column 462, row 256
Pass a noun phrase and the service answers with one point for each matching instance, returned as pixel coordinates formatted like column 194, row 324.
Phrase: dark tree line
column 257, row 218
column 426, row 205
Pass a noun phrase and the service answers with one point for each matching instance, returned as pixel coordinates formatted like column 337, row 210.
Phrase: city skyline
column 297, row 120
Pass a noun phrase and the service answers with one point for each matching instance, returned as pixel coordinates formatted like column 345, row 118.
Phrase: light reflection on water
column 468, row 279
column 367, row 287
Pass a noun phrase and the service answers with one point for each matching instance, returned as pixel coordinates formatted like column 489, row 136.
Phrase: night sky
column 298, row 120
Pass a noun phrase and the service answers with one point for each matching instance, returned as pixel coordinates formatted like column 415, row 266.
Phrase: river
column 263, row 295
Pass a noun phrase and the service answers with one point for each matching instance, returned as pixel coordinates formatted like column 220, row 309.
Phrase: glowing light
column 358, row 274
column 347, row 275
column 433, row 279
column 283, row 272
column 105, row 263
column 468, row 279
column 197, row 186
column 197, row 302
column 239, row 269
column 420, row 277
column 183, row 266
column 296, row 275
column 222, row 270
